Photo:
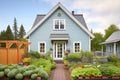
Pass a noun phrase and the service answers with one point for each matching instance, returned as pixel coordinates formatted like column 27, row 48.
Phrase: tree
column 95, row 43
column 110, row 30
column 15, row 29
column 9, row 33
column 3, row 35
column 21, row 32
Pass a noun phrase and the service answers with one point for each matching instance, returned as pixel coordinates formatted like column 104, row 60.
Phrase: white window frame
column 59, row 24
column 74, row 46
column 39, row 46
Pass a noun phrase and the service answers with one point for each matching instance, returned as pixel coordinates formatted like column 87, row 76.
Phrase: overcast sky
column 98, row 14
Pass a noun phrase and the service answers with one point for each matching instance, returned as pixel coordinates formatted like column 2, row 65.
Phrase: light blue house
column 113, row 44
column 60, row 30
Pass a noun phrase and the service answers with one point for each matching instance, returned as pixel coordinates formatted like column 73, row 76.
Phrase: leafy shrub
column 43, row 64
column 74, row 55
column 34, row 54
column 110, row 70
column 113, row 58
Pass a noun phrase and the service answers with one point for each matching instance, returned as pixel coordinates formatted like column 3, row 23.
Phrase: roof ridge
column 41, row 14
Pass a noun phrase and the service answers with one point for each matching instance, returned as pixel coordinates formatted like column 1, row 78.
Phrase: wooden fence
column 11, row 51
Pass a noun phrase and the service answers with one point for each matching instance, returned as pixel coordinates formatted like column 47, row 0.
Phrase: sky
column 98, row 14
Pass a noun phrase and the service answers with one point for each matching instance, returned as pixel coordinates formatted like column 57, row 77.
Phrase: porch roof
column 59, row 36
column 115, row 37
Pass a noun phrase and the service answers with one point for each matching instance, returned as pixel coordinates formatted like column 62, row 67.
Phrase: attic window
column 59, row 24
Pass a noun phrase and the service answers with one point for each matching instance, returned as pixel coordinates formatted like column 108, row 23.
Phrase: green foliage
column 19, row 76
column 2, row 67
column 112, row 28
column 88, row 54
column 27, row 73
column 3, row 35
column 12, row 73
column 6, row 71
column 85, row 72
column 1, row 74
column 113, row 58
column 15, row 29
column 34, row 54
column 33, row 76
column 66, row 62
column 95, row 43
column 74, row 55
column 21, row 32
column 109, row 70
column 43, row 64
column 9, row 33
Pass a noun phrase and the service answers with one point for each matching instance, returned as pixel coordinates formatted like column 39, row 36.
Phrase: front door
column 58, row 50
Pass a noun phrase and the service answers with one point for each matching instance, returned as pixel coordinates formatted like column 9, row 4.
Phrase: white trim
column 114, row 48
column 59, row 5
column 39, row 46
column 63, row 45
column 59, row 24
column 59, row 38
column 74, row 45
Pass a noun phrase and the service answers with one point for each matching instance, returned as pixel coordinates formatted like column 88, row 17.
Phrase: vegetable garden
column 89, row 69
column 39, row 68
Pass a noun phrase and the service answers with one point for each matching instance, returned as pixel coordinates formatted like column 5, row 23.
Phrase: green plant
column 85, row 72
column 33, row 76
column 12, row 73
column 1, row 74
column 34, row 54
column 6, row 71
column 2, row 67
column 27, row 73
column 24, row 60
column 88, row 54
column 74, row 55
column 66, row 62
column 19, row 76
column 113, row 58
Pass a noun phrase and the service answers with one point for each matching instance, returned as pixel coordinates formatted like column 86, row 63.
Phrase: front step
column 58, row 61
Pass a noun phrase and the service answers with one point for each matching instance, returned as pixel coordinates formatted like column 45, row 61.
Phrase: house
column 113, row 44
column 60, row 30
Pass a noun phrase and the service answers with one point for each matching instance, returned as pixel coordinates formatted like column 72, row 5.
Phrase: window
column 59, row 24
column 76, row 47
column 42, row 46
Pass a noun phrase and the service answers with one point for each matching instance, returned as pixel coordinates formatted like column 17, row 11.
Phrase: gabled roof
column 79, row 17
column 43, row 18
column 115, row 37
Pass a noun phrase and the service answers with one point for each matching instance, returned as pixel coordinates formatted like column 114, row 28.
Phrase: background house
column 60, row 30
column 113, row 44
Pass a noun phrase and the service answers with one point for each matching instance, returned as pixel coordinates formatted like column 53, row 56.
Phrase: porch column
column 102, row 51
column 114, row 48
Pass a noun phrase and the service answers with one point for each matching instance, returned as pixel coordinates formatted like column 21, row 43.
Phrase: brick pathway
column 59, row 73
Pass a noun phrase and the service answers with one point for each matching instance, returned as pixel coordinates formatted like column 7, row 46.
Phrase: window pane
column 56, row 24
column 77, row 47
column 62, row 24
column 42, row 47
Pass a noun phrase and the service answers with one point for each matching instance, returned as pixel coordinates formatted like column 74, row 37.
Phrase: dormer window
column 59, row 24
